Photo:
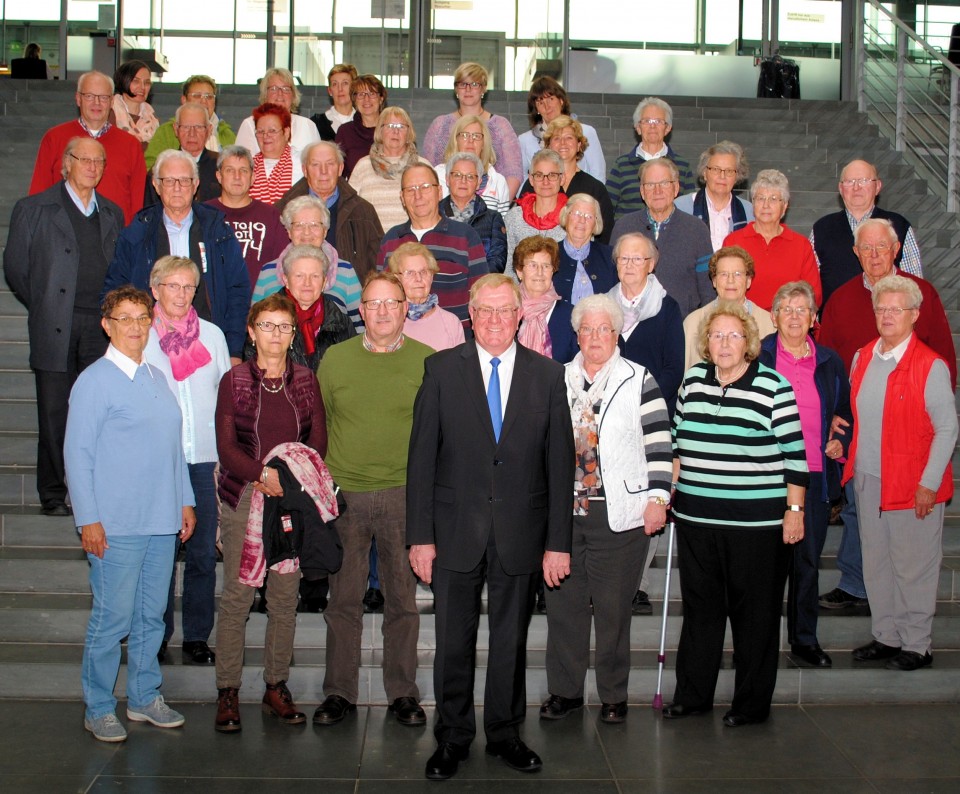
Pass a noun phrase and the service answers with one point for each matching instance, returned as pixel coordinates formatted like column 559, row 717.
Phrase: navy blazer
column 598, row 264
column 657, row 344
column 563, row 339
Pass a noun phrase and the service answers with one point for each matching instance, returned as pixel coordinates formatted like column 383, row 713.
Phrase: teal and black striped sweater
column 738, row 448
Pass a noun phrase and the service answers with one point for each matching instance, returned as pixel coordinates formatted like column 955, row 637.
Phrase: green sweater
column 165, row 138
column 368, row 398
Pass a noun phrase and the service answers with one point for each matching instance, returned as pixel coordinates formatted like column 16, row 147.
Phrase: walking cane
column 661, row 656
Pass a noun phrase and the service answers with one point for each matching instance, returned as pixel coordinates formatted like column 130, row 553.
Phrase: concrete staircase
column 44, row 596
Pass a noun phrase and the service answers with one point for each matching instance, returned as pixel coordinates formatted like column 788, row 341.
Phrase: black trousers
column 803, row 593
column 457, row 610
column 88, row 342
column 740, row 575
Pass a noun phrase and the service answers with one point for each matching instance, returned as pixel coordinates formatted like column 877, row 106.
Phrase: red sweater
column 124, row 176
column 787, row 257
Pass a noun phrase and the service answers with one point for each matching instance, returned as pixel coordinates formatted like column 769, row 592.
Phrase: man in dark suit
column 60, row 244
column 191, row 124
column 489, row 498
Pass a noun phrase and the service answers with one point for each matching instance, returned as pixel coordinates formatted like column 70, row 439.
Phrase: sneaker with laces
column 106, row 728
column 157, row 713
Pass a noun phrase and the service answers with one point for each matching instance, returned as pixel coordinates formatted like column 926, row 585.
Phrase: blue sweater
column 124, row 461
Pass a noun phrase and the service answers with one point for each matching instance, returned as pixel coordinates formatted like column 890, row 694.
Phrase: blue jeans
column 849, row 556
column 129, row 587
column 200, row 568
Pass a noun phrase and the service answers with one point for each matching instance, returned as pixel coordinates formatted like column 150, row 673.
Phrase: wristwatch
column 795, row 508
column 661, row 501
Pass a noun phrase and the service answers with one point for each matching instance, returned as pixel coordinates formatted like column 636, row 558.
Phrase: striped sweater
column 738, row 448
column 623, row 184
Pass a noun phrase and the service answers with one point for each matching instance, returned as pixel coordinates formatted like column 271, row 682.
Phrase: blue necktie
column 493, row 398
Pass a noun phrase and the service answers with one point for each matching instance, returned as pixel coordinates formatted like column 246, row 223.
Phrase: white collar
column 895, row 353
column 506, row 357
column 127, row 365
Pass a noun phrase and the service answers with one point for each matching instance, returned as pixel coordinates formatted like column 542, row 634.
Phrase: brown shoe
column 228, row 710
column 278, row 701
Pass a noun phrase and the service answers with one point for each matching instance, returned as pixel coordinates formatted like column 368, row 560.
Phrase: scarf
column 646, row 305
column 582, row 286
column 584, row 406
column 392, row 167
column 270, row 189
column 143, row 127
column 533, row 333
column 309, row 321
column 180, row 340
column 549, row 221
column 462, row 215
column 416, row 310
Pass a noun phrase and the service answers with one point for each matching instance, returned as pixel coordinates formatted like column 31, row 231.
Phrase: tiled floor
column 848, row 749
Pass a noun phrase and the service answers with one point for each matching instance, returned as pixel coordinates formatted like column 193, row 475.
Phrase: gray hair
column 174, row 154
column 305, row 252
column 287, row 77
column 191, row 106
column 86, row 75
column 470, row 157
column 657, row 103
column 725, row 147
column 547, row 154
column 582, row 198
column 876, row 223
column 624, row 238
column 235, row 150
column 795, row 289
column 72, row 144
column 168, row 265
column 598, row 303
column 771, row 179
column 333, row 146
column 900, row 284
column 666, row 162
column 304, row 203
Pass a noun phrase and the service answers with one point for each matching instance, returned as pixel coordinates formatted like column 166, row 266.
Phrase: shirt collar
column 896, row 353
column 127, row 365
column 90, row 208
column 507, row 356
column 854, row 223
column 644, row 156
column 175, row 227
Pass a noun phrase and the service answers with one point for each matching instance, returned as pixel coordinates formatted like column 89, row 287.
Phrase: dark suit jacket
column 209, row 187
column 462, row 484
column 41, row 262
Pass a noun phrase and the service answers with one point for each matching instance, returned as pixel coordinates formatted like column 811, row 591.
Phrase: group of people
column 560, row 356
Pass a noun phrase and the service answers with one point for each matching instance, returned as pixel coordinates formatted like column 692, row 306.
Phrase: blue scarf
column 416, row 310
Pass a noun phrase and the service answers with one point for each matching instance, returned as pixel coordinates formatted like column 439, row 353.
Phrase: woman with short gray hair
column 537, row 212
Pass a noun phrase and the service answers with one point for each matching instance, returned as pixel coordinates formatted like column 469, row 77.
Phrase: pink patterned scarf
column 180, row 340
column 533, row 333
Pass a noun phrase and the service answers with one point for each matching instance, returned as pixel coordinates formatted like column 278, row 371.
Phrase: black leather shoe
column 372, row 600
column 641, row 604
column 56, row 509
column 677, row 711
column 556, row 707
column 874, row 652
column 516, row 755
column 909, row 660
column 541, row 603
column 162, row 653
column 443, row 764
column 198, row 652
column 408, row 712
column 734, row 719
column 841, row 599
column 613, row 713
column 332, row 710
column 810, row 656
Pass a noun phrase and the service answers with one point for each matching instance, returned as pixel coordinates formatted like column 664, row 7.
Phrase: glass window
column 596, row 20
column 198, row 55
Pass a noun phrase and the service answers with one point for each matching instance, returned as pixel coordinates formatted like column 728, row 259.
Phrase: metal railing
column 910, row 90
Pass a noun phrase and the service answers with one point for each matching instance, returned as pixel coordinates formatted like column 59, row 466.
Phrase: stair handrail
column 922, row 122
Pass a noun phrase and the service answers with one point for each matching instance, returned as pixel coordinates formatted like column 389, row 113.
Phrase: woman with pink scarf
column 192, row 354
column 545, row 316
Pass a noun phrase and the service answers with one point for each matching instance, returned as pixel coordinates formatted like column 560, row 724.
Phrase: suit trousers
column 603, row 571
column 457, row 611
column 901, row 567
column 235, row 601
column 740, row 574
column 381, row 515
column 87, row 344
column 803, row 606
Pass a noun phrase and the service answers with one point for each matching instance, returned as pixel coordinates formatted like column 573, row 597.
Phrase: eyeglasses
column 192, row 127
column 503, row 312
column 411, row 190
column 470, row 136
column 800, row 311
column 268, row 327
column 767, row 199
column 728, row 173
column 97, row 162
column 265, row 133
column 307, row 226
column 894, row 311
column 589, row 217
column 539, row 176
column 861, row 182
column 532, row 264
column 375, row 303
column 601, row 330
column 198, row 95
column 366, row 94
column 94, row 97
column 633, row 261
column 731, row 275
column 652, row 123
column 464, row 85
column 730, row 336
column 663, row 184
column 880, row 248
column 279, row 89
column 171, row 181
column 395, row 125
column 411, row 275
column 126, row 320
column 463, row 177
column 187, row 289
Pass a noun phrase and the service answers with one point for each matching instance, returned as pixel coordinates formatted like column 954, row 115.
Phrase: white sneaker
column 157, row 713
column 106, row 728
